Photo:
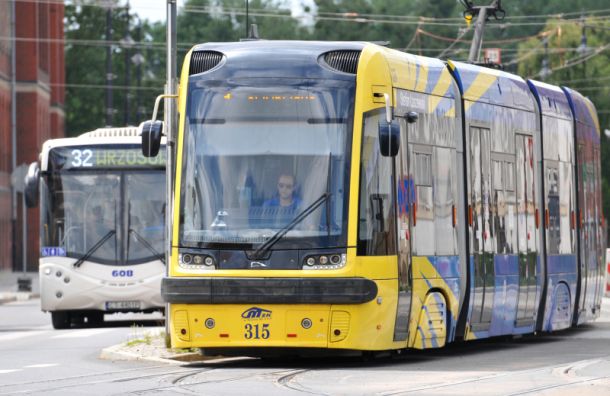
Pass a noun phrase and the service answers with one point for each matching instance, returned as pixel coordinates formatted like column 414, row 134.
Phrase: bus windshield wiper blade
column 147, row 245
column 264, row 248
column 94, row 248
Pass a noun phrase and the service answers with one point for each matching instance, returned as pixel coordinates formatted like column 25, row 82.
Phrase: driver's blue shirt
column 276, row 215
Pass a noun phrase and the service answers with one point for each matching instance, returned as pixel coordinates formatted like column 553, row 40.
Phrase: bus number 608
column 256, row 332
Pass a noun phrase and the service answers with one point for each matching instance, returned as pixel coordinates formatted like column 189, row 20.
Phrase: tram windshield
column 113, row 216
column 260, row 153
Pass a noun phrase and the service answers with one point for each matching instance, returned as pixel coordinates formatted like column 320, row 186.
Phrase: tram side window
column 510, row 198
column 553, row 226
column 499, row 208
column 424, row 227
column 376, row 228
column 443, row 194
column 565, row 207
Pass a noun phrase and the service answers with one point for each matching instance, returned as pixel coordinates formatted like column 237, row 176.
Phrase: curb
column 17, row 296
column 4, row 300
column 115, row 353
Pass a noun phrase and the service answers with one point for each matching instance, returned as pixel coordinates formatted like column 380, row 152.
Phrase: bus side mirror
column 32, row 182
column 151, row 137
column 389, row 138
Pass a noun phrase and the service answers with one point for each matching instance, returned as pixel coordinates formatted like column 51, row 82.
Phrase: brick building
column 39, row 90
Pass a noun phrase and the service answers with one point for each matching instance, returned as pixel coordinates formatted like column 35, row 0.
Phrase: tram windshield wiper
column 94, row 248
column 264, row 248
column 147, row 245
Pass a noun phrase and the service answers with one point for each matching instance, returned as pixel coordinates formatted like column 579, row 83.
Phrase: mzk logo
column 256, row 313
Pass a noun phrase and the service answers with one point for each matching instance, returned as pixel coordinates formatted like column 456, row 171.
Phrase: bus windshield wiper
column 147, row 245
column 94, row 248
column 264, row 248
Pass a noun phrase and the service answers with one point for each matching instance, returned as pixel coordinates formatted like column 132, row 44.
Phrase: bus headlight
column 330, row 261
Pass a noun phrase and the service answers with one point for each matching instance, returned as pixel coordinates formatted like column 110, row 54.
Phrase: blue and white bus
column 102, row 211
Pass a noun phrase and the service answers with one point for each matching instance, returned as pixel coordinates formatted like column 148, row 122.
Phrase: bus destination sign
column 77, row 157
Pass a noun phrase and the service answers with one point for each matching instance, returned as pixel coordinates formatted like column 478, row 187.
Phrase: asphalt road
column 35, row 359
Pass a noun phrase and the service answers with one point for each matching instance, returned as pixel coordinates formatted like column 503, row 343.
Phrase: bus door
column 526, row 230
column 480, row 219
column 405, row 197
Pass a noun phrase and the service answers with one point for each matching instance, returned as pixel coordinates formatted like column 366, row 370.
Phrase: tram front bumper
column 220, row 290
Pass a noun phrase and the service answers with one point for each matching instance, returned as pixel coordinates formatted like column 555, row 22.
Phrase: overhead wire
column 457, row 40
column 577, row 61
column 339, row 17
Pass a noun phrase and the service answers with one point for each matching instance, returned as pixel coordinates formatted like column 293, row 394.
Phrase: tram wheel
column 60, row 319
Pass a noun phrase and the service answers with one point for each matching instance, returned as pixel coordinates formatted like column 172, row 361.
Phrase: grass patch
column 146, row 340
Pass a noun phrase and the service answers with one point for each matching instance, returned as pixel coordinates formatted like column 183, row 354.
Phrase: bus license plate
column 122, row 305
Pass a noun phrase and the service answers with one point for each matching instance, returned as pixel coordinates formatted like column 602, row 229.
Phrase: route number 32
column 257, row 331
column 81, row 158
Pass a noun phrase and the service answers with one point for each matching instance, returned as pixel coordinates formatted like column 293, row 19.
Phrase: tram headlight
column 330, row 261
column 335, row 259
column 196, row 261
column 47, row 271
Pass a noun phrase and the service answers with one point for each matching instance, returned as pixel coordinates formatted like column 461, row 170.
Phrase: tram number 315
column 257, row 331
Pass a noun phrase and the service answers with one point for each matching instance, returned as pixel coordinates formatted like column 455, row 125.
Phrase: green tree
column 85, row 57
column 586, row 70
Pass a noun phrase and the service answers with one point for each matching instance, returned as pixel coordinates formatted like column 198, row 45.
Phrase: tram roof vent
column 112, row 132
column 202, row 61
column 345, row 61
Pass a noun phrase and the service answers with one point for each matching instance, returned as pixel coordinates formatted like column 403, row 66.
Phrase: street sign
column 492, row 55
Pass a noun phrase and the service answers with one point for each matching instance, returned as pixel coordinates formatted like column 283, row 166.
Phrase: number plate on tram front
column 122, row 305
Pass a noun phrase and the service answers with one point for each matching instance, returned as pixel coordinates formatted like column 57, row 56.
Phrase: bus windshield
column 258, row 153
column 121, row 211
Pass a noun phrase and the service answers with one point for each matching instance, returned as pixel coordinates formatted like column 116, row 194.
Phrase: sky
column 155, row 10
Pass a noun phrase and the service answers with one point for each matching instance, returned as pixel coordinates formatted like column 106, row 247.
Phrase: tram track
column 567, row 373
column 182, row 382
column 557, row 386
column 286, row 382
column 80, row 381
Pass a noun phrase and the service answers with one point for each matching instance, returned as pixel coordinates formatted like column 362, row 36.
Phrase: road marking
column 18, row 335
column 82, row 333
column 9, row 371
column 42, row 365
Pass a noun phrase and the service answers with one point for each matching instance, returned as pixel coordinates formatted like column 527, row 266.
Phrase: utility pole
column 127, row 43
column 109, row 110
column 482, row 13
column 138, row 59
column 247, row 16
column 13, row 130
column 582, row 48
column 170, row 133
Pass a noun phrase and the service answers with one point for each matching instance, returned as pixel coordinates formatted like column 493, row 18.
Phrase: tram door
column 526, row 230
column 480, row 229
column 586, row 197
column 405, row 197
